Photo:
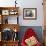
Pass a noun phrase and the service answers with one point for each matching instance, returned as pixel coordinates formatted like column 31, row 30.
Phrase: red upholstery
column 29, row 33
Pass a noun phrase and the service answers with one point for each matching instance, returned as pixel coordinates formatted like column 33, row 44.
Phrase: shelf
column 9, row 10
column 6, row 24
column 6, row 12
column 10, row 26
column 11, row 41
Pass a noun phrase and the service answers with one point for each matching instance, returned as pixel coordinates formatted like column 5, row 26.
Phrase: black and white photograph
column 30, row 13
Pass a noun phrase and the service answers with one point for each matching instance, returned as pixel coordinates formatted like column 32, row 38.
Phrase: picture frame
column 30, row 13
column 5, row 12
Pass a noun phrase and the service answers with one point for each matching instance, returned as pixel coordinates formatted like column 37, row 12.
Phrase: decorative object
column 15, row 3
column 30, row 13
column 15, row 36
column 7, row 34
column 5, row 12
column 6, row 21
column 13, row 12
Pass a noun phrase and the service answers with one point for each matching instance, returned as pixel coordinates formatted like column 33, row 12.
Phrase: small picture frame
column 5, row 12
column 30, row 13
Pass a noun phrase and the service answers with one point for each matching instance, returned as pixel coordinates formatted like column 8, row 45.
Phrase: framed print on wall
column 5, row 12
column 30, row 13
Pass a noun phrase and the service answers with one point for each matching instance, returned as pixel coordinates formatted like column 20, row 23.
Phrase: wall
column 32, row 4
column 26, row 4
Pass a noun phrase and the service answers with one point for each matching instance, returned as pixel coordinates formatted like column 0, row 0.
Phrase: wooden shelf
column 4, row 12
column 8, row 10
column 11, row 26
column 9, row 43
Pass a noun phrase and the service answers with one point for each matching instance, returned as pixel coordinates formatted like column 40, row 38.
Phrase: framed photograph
column 30, row 13
column 5, row 12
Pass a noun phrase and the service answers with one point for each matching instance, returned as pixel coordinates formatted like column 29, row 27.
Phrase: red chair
column 29, row 33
